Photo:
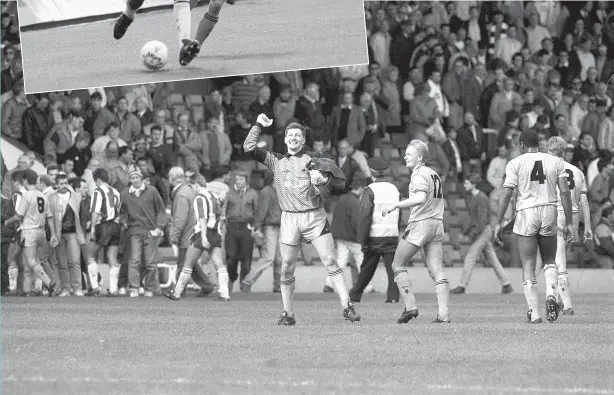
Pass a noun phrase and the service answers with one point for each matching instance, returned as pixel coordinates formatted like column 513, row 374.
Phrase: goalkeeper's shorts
column 305, row 225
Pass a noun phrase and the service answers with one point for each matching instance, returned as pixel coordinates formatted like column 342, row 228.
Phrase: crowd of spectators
column 466, row 77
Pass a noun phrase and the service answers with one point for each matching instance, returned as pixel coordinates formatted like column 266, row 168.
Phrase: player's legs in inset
column 433, row 252
column 191, row 48
column 126, row 18
column 527, row 246
column 547, row 242
column 191, row 259
column 343, row 258
column 183, row 20
column 93, row 250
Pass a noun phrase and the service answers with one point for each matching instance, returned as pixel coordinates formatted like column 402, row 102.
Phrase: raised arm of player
column 250, row 145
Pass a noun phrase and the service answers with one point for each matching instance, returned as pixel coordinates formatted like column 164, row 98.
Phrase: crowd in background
column 466, row 77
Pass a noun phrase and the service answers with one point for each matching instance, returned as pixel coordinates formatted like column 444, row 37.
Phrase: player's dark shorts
column 107, row 234
column 215, row 239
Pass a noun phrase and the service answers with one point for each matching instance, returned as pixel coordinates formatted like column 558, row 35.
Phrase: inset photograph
column 76, row 44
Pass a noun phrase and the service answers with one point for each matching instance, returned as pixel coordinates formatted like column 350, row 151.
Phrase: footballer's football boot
column 121, row 26
column 286, row 320
column 406, row 316
column 190, row 50
column 530, row 321
column 170, row 293
column 552, row 309
column 205, row 292
column 350, row 314
column 93, row 292
column 438, row 320
column 568, row 311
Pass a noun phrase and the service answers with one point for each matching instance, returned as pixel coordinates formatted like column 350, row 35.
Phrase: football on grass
column 154, row 55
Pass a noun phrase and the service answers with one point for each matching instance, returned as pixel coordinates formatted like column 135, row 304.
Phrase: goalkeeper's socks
column 287, row 294
column 183, row 20
column 336, row 277
column 442, row 288
column 182, row 282
column 404, row 283
column 205, row 27
column 92, row 271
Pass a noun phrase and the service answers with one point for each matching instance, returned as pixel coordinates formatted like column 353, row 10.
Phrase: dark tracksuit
column 374, row 248
column 240, row 215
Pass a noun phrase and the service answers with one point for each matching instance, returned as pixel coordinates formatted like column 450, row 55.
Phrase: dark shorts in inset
column 107, row 234
column 215, row 239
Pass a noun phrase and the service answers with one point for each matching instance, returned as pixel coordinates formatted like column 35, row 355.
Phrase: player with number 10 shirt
column 424, row 231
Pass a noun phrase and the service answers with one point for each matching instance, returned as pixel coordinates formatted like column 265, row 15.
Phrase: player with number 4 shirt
column 535, row 176
column 424, row 231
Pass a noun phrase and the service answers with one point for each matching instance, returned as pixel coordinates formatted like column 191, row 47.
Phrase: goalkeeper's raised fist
column 264, row 120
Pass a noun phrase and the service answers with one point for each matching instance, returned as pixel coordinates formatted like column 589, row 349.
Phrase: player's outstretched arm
column 250, row 145
column 414, row 199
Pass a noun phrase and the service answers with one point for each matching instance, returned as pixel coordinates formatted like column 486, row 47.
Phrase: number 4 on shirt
column 537, row 174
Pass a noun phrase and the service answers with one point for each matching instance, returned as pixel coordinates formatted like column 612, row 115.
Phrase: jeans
column 483, row 244
column 367, row 270
column 269, row 256
column 348, row 253
column 143, row 248
column 239, row 247
column 68, row 255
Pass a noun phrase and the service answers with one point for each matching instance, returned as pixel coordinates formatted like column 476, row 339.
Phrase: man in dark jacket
column 378, row 235
column 182, row 228
column 344, row 229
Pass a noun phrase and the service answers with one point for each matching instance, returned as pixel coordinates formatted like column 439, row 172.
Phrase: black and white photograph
column 74, row 44
column 434, row 218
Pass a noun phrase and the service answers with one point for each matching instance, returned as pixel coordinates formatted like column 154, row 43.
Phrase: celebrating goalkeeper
column 302, row 184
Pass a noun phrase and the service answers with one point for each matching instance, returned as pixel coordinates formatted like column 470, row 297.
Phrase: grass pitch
column 150, row 346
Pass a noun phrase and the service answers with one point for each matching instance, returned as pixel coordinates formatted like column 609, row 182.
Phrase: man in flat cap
column 377, row 234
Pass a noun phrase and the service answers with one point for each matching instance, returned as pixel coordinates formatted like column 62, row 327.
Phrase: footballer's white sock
column 530, row 293
column 551, row 274
column 13, row 275
column 287, row 294
column 92, row 271
column 183, row 20
column 222, row 278
column 184, row 278
column 327, row 282
column 404, row 283
column 129, row 12
column 564, row 293
column 113, row 279
column 442, row 289
column 336, row 277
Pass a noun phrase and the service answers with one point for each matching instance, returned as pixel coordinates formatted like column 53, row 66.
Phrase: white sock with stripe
column 442, row 289
column 563, row 288
column 182, row 282
column 222, row 278
column 287, row 294
column 530, row 293
column 336, row 277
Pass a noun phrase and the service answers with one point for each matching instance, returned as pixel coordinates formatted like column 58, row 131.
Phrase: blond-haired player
column 535, row 176
column 424, row 231
column 579, row 200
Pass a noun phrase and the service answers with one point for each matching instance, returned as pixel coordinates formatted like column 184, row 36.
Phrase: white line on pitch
column 522, row 390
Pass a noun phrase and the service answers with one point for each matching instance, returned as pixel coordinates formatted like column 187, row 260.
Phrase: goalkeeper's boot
column 568, row 311
column 439, row 320
column 170, row 293
column 190, row 50
column 121, row 26
column 552, row 309
column 530, row 320
column 286, row 320
column 350, row 314
column 406, row 316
